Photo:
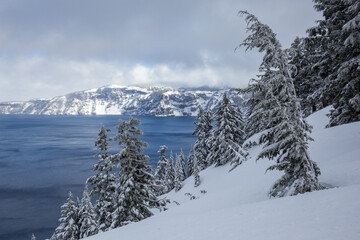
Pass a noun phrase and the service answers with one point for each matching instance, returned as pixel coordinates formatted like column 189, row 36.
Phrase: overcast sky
column 50, row 48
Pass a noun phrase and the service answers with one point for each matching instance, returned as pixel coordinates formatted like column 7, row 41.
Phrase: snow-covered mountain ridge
column 121, row 100
column 234, row 205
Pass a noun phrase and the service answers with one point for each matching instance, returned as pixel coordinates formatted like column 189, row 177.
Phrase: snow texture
column 235, row 205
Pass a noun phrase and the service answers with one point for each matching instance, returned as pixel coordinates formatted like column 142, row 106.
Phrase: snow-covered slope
column 157, row 101
column 234, row 205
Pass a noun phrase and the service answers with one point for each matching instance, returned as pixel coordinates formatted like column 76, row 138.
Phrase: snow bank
column 337, row 150
column 235, row 205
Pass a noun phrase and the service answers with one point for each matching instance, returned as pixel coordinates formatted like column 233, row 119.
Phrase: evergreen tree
column 179, row 171
column 135, row 193
column 161, row 170
column 182, row 162
column 190, row 161
column 196, row 173
column 226, row 143
column 240, row 137
column 286, row 137
column 304, row 54
column 87, row 216
column 327, row 62
column 33, row 237
column 347, row 103
column 103, row 181
column 170, row 173
column 68, row 228
column 77, row 216
column 203, row 132
column 261, row 105
column 338, row 35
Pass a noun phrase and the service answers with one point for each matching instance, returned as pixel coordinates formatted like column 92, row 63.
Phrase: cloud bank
column 50, row 48
column 51, row 78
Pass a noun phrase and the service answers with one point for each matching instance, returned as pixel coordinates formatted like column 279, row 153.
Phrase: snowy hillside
column 156, row 101
column 235, row 205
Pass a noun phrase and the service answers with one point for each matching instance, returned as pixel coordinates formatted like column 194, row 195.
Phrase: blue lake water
column 44, row 157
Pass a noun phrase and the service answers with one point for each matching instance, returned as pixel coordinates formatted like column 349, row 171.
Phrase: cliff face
column 119, row 100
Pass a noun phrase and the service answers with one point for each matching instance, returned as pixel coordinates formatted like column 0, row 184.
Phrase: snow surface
column 236, row 205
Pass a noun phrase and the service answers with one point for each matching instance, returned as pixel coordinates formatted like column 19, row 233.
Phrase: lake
column 44, row 157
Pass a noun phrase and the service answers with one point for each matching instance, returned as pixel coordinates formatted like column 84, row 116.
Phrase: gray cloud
column 49, row 48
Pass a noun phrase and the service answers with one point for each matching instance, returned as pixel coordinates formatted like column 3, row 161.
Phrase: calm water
column 44, row 157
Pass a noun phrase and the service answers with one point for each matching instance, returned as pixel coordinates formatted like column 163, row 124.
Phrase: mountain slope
column 156, row 101
column 236, row 206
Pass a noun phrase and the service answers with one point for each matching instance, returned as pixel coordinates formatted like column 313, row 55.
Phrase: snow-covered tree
column 179, row 171
column 135, row 193
column 33, row 237
column 103, row 181
column 227, row 137
column 196, row 173
column 68, row 228
column 170, row 173
column 203, row 132
column 182, row 161
column 77, row 207
column 338, row 34
column 87, row 217
column 190, row 161
column 304, row 54
column 254, row 122
column 347, row 103
column 241, row 135
column 327, row 62
column 161, row 170
column 287, row 135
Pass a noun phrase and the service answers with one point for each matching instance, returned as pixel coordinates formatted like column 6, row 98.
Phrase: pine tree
column 182, row 161
column 190, row 161
column 87, row 216
column 327, row 62
column 240, row 137
column 170, row 173
column 203, row 132
column 347, row 103
column 338, row 35
column 68, row 228
column 304, row 54
column 77, row 215
column 161, row 170
column 179, row 171
column 103, row 182
column 287, row 134
column 226, row 142
column 196, row 173
column 261, row 105
column 135, row 193
column 33, row 237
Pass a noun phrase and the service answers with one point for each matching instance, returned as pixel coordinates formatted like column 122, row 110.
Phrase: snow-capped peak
column 126, row 100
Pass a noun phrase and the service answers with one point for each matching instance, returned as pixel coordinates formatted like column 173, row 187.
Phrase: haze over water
column 44, row 157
